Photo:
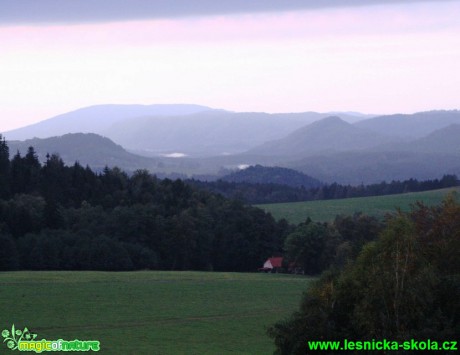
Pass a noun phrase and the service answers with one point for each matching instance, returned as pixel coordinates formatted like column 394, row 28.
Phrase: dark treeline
column 313, row 247
column 258, row 174
column 55, row 217
column 276, row 193
column 400, row 282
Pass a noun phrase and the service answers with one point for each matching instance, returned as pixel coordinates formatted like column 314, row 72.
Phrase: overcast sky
column 262, row 55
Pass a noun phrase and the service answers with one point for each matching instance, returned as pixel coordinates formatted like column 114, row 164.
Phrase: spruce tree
column 4, row 168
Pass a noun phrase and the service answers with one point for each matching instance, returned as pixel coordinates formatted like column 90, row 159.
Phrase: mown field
column 151, row 312
column 326, row 210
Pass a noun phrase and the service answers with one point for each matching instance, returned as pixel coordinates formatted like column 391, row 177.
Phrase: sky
column 367, row 56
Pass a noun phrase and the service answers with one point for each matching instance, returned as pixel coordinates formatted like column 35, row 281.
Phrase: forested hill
column 87, row 148
column 259, row 174
column 260, row 193
column 58, row 217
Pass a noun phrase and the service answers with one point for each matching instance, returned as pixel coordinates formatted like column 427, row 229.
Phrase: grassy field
column 151, row 312
column 326, row 210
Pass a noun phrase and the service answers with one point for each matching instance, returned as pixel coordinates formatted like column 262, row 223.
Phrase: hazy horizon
column 372, row 57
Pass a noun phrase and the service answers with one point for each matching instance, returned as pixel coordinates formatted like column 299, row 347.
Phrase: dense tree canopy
column 68, row 217
column 268, row 192
column 404, row 285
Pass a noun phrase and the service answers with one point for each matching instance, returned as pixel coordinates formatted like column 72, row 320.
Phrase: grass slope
column 151, row 312
column 326, row 210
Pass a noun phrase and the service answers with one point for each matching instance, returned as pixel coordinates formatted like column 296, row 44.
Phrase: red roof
column 276, row 262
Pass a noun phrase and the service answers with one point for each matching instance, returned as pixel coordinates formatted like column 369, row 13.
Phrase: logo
column 25, row 340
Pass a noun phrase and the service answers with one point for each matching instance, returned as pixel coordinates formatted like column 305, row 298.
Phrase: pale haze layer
column 397, row 57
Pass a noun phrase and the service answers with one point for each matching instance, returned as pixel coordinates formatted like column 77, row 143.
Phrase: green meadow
column 378, row 206
column 151, row 312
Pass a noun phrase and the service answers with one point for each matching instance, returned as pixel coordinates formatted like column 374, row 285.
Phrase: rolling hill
column 86, row 148
column 205, row 133
column 212, row 142
column 370, row 167
column 95, row 119
column 412, row 126
column 335, row 151
column 445, row 140
column 155, row 130
column 272, row 175
column 328, row 135
column 378, row 206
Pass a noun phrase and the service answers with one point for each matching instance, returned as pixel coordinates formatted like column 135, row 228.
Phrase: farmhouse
column 273, row 264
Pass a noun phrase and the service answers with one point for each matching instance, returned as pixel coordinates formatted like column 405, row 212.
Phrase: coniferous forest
column 57, row 217
column 259, row 193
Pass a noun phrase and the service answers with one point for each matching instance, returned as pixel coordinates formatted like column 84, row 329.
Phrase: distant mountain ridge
column 206, row 133
column 155, row 130
column 445, row 140
column 95, row 119
column 329, row 135
column 412, row 126
column 370, row 167
column 327, row 148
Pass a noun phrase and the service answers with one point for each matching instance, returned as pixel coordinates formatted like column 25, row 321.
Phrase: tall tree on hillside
column 33, row 168
column 25, row 172
column 18, row 174
column 114, row 186
column 312, row 247
column 54, row 179
column 4, row 168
